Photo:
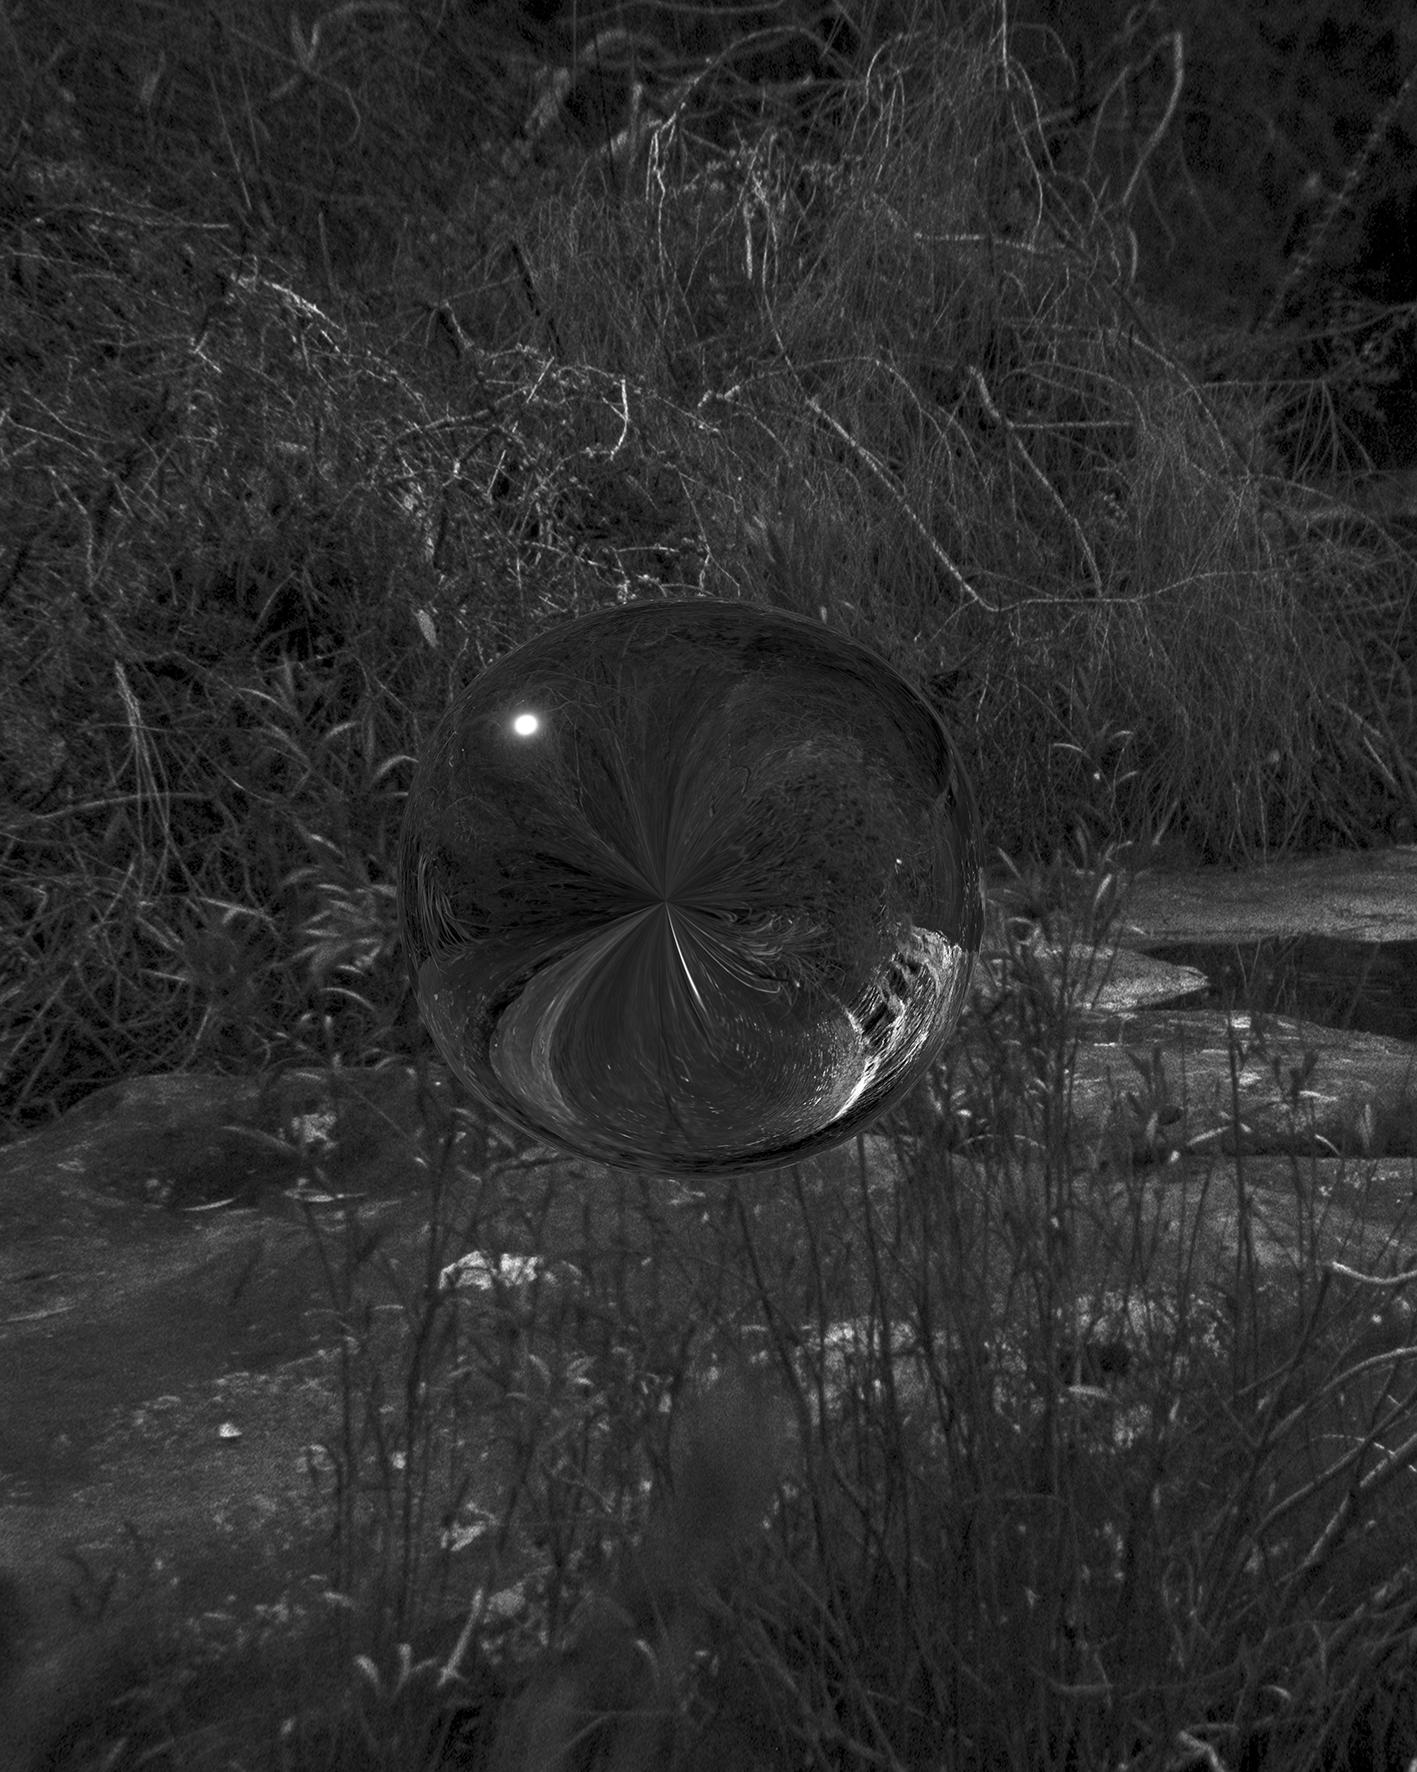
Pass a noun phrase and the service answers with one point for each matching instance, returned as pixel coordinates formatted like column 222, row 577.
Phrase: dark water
column 1321, row 978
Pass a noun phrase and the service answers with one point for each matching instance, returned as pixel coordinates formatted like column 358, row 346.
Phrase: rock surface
column 163, row 1314
column 168, row 1337
column 1370, row 896
column 1179, row 1079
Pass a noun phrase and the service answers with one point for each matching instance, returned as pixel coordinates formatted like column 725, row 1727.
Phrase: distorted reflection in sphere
column 690, row 888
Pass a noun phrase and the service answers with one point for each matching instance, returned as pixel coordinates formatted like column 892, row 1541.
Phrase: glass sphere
column 690, row 888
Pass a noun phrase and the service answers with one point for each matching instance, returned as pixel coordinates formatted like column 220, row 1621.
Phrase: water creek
column 1362, row 986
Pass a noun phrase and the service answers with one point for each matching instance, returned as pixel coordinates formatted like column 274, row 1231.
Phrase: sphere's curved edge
column 774, row 798
column 716, row 1166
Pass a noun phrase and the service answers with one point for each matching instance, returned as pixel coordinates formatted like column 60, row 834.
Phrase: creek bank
column 169, row 1351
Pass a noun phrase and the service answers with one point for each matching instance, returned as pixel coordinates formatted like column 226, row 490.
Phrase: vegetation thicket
column 347, row 349
column 327, row 387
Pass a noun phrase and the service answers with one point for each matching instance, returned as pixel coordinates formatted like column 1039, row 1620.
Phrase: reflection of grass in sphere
column 839, row 827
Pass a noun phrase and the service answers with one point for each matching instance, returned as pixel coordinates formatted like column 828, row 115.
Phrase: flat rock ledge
column 1154, row 1081
column 1370, row 895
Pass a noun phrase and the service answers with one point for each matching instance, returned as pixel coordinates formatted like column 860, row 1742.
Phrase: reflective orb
column 690, row 888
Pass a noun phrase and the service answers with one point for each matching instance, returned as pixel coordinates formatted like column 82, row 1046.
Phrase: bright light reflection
column 526, row 725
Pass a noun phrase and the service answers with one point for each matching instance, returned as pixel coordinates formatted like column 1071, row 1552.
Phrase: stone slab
column 1370, row 895
column 1110, row 981
column 1153, row 1081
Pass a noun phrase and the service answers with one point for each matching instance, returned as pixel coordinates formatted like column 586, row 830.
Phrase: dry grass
column 295, row 443
column 874, row 369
